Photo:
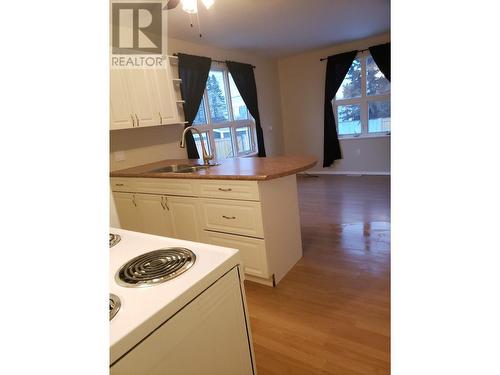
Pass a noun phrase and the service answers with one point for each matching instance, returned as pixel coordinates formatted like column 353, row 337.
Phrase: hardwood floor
column 331, row 313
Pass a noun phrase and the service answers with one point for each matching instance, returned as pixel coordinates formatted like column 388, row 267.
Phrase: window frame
column 233, row 124
column 363, row 101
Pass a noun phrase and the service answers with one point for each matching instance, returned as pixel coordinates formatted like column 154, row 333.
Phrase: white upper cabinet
column 122, row 116
column 142, row 97
column 165, row 101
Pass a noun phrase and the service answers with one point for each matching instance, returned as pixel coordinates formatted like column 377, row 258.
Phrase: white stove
column 146, row 304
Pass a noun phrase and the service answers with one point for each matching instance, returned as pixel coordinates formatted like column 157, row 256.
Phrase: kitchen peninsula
column 245, row 203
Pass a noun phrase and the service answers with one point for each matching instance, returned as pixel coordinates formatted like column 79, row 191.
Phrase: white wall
column 302, row 86
column 146, row 145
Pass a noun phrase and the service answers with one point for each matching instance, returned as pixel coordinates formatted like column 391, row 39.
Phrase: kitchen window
column 362, row 105
column 223, row 118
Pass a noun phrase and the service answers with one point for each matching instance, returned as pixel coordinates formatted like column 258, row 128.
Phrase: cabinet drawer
column 247, row 190
column 238, row 217
column 252, row 251
column 164, row 186
column 123, row 184
column 167, row 186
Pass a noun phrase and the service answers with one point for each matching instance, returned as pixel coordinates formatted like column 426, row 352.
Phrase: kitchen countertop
column 250, row 168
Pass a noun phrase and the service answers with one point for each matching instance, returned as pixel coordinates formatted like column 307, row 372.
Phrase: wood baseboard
column 364, row 173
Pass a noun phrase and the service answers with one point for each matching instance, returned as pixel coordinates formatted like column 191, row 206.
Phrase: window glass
column 201, row 116
column 224, row 118
column 198, row 142
column 351, row 85
column 217, row 97
column 223, row 143
column 243, row 139
column 376, row 83
column 349, row 119
column 240, row 111
column 379, row 116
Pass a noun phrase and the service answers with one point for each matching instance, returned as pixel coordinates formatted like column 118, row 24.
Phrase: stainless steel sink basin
column 194, row 168
column 171, row 168
column 181, row 168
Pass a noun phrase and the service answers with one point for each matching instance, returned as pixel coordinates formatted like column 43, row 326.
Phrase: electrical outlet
column 119, row 155
column 358, row 152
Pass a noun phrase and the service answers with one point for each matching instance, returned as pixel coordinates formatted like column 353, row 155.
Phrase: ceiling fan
column 171, row 4
column 189, row 6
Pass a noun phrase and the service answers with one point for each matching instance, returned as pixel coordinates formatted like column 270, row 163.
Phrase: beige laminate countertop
column 252, row 168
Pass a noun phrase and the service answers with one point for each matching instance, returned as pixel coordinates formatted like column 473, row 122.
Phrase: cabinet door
column 142, row 100
column 120, row 103
column 127, row 211
column 161, row 86
column 184, row 212
column 154, row 216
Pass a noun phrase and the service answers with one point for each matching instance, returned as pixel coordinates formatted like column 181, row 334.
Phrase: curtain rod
column 219, row 61
column 359, row 50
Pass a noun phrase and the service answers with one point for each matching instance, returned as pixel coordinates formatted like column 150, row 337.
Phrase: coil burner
column 114, row 239
column 114, row 305
column 155, row 267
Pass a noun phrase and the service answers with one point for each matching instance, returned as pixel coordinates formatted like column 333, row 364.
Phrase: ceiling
column 281, row 27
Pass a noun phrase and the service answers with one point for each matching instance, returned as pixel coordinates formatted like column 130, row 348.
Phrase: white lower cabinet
column 259, row 218
column 162, row 215
column 183, row 213
column 252, row 250
column 153, row 215
column 127, row 211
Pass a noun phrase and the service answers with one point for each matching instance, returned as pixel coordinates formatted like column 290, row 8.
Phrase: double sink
column 181, row 168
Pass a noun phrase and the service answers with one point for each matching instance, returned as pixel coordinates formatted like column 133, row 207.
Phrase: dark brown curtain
column 336, row 70
column 193, row 71
column 382, row 56
column 244, row 79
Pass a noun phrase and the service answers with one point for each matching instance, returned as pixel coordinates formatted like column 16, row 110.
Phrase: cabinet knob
column 229, row 217
column 133, row 121
column 221, row 189
column 161, row 118
column 137, row 118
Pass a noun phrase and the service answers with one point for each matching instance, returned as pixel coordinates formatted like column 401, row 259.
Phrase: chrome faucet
column 206, row 156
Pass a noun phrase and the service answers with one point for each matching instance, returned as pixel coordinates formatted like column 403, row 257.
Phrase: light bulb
column 208, row 3
column 190, row 6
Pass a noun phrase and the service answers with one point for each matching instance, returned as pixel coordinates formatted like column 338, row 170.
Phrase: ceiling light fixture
column 190, row 6
column 208, row 3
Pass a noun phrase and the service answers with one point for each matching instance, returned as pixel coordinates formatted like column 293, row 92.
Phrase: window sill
column 249, row 155
column 342, row 138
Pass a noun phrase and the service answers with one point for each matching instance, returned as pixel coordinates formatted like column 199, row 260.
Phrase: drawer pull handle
column 221, row 189
column 118, row 184
column 229, row 217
